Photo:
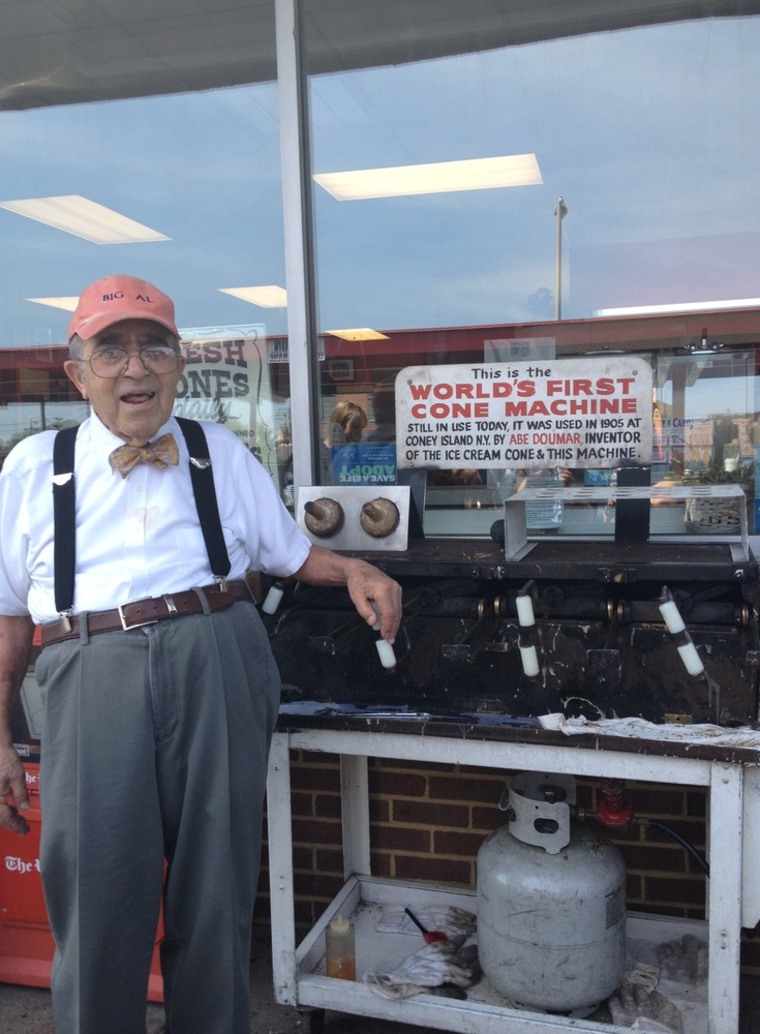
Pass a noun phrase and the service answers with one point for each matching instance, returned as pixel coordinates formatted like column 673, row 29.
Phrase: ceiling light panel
column 516, row 170
column 358, row 334
column 66, row 302
column 653, row 310
column 81, row 217
column 268, row 296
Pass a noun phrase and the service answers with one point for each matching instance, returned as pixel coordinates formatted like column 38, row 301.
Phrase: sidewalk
column 27, row 1010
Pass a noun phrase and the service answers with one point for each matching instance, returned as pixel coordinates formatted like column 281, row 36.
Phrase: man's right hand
column 13, row 785
column 15, row 649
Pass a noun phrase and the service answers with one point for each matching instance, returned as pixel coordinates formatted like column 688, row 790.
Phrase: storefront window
column 629, row 226
column 613, row 212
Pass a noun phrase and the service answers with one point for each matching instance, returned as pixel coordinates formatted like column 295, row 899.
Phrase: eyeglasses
column 112, row 362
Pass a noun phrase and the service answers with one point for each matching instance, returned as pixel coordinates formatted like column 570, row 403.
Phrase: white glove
column 684, row 960
column 456, row 923
column 435, row 964
column 640, row 1009
column 640, row 974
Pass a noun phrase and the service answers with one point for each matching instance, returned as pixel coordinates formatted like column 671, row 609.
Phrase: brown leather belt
column 147, row 611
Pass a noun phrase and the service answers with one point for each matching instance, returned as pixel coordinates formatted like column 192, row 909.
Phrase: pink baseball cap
column 119, row 297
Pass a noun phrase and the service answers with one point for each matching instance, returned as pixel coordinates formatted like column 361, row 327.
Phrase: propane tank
column 551, row 902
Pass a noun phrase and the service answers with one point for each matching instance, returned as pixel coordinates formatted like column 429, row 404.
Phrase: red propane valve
column 614, row 811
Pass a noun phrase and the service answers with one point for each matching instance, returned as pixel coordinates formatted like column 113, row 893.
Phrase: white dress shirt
column 135, row 536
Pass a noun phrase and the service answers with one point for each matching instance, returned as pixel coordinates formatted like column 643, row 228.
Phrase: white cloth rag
column 639, row 728
column 439, row 963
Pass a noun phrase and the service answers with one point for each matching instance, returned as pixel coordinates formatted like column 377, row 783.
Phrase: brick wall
column 428, row 821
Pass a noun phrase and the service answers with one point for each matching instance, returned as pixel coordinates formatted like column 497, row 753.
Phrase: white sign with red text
column 593, row 412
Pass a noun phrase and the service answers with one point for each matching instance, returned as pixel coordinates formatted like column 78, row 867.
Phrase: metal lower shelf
column 485, row 1010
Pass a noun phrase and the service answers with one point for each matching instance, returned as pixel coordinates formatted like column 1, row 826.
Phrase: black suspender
column 64, row 509
column 202, row 477
column 64, row 518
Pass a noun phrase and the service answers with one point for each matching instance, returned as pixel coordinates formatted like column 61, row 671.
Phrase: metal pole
column 296, row 192
column 560, row 211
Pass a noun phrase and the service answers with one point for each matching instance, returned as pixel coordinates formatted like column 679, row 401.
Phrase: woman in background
column 345, row 427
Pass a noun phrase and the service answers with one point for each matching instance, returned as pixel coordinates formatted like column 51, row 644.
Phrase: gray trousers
column 155, row 750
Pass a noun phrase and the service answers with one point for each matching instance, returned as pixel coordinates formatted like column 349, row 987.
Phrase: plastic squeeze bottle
column 340, row 950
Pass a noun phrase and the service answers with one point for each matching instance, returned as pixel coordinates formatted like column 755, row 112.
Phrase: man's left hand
column 375, row 596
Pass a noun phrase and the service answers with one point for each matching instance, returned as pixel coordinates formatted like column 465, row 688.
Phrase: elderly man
column 160, row 688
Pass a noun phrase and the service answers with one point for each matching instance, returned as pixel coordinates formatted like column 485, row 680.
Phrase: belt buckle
column 136, row 624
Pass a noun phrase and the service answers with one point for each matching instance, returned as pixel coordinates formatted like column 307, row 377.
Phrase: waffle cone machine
column 664, row 628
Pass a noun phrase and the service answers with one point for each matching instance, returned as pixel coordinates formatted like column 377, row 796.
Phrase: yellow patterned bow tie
column 160, row 453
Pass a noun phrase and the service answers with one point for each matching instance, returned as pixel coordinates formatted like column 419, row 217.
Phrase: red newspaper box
column 26, row 943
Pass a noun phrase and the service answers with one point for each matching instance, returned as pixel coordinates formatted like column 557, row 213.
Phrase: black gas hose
column 655, row 824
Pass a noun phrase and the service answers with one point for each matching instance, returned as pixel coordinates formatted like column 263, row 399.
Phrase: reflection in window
column 648, row 150
column 202, row 171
